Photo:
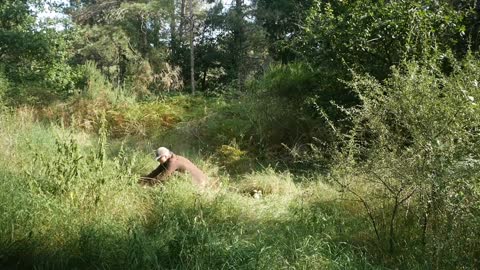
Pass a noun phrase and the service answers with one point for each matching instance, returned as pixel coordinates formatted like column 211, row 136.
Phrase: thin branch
column 367, row 208
column 408, row 196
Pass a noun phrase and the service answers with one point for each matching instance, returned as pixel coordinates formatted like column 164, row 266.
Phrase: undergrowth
column 69, row 201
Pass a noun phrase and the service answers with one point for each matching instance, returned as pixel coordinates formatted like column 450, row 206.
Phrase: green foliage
column 95, row 95
column 15, row 14
column 125, row 40
column 398, row 136
column 282, row 20
column 61, row 206
column 293, row 82
column 229, row 123
column 234, row 159
column 372, row 36
column 93, row 83
column 33, row 55
column 413, row 145
column 286, row 108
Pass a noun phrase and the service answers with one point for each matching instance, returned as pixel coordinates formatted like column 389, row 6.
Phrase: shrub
column 142, row 77
column 234, row 159
column 93, row 83
column 372, row 36
column 411, row 149
column 292, row 81
column 169, row 79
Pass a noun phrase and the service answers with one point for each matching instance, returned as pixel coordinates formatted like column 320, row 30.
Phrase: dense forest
column 336, row 134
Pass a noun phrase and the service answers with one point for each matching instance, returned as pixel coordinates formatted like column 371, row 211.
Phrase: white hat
column 162, row 151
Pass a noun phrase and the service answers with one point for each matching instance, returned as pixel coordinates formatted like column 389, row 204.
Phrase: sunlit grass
column 98, row 217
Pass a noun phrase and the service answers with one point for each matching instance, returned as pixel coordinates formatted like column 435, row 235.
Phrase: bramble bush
column 410, row 159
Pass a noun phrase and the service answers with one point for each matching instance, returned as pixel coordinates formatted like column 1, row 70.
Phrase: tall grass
column 68, row 202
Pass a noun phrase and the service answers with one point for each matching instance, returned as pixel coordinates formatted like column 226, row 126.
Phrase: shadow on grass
column 187, row 229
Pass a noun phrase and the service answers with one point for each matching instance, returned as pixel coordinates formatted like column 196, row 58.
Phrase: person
column 169, row 163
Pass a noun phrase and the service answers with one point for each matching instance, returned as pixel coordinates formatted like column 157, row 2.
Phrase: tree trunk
column 239, row 41
column 173, row 36
column 204, row 80
column 182, row 19
column 192, row 55
column 143, row 30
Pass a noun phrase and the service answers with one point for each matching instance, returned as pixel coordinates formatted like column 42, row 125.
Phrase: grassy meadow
column 69, row 196
column 70, row 200
column 336, row 134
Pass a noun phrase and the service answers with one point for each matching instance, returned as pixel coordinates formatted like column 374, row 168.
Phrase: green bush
column 293, row 81
column 94, row 84
column 372, row 36
column 284, row 113
column 409, row 160
column 234, row 159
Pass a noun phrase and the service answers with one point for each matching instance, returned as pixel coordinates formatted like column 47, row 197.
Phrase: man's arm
column 151, row 178
column 161, row 173
column 160, row 169
column 169, row 168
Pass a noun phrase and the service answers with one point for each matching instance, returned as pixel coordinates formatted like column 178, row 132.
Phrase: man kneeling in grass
column 169, row 163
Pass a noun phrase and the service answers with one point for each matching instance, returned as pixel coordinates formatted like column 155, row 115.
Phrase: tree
column 239, row 41
column 192, row 54
column 130, row 41
column 282, row 20
column 33, row 53
column 372, row 36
